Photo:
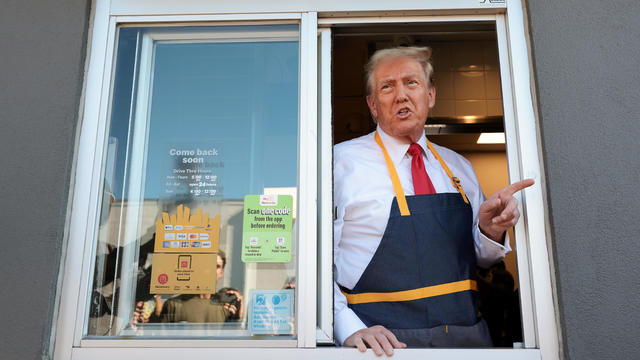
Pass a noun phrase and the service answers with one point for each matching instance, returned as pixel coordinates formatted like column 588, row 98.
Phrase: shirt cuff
column 491, row 251
column 346, row 323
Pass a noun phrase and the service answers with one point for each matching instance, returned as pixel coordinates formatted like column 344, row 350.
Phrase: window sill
column 298, row 353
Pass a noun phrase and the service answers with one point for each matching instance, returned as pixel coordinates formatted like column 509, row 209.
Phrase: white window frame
column 315, row 175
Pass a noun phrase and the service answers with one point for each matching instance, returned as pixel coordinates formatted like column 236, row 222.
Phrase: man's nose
column 401, row 94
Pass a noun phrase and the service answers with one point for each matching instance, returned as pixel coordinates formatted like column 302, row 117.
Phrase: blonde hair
column 420, row 54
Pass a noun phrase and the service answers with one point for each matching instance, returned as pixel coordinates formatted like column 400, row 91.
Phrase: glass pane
column 197, row 232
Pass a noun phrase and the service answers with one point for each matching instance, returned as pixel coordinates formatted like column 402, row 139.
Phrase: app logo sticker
column 204, row 236
column 181, row 236
column 163, row 278
column 166, row 244
column 206, row 244
column 268, row 200
column 193, row 236
column 168, row 227
column 175, row 244
column 169, row 236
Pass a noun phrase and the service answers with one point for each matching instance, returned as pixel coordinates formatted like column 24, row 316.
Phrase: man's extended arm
column 346, row 322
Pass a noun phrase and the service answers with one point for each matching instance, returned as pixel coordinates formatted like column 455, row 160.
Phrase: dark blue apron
column 420, row 283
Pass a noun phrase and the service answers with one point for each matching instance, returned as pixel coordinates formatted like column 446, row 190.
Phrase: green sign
column 266, row 230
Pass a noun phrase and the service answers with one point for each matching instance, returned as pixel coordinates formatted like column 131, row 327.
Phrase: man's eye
column 385, row 87
column 413, row 82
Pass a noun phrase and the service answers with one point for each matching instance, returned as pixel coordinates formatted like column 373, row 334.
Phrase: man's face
column 219, row 269
column 401, row 98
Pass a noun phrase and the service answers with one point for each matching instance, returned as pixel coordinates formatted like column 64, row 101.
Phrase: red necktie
column 421, row 182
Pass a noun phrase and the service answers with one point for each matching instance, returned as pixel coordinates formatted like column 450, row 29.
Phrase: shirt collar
column 397, row 149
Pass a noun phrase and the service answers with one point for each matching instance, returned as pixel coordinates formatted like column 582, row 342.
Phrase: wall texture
column 587, row 59
column 42, row 50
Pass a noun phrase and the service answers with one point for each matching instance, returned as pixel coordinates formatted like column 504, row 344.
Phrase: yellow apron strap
column 397, row 187
column 454, row 180
column 415, row 294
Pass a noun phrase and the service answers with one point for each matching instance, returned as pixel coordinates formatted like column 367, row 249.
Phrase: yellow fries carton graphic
column 186, row 233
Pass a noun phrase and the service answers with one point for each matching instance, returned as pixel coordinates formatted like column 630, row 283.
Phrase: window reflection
column 197, row 123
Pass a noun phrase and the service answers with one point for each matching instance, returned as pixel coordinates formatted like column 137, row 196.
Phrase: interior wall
column 585, row 56
column 467, row 79
column 42, row 46
column 350, row 112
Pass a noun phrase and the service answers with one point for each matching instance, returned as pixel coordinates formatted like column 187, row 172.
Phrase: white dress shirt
column 363, row 194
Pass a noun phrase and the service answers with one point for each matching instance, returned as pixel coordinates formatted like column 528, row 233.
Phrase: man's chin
column 407, row 131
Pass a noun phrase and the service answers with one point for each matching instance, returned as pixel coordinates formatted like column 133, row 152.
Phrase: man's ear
column 431, row 96
column 372, row 106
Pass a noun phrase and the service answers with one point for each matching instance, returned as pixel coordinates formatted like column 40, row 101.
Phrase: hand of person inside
column 235, row 309
column 378, row 338
column 138, row 315
column 500, row 212
column 159, row 304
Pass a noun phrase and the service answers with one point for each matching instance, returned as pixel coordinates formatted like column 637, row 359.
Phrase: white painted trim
column 85, row 152
column 107, row 345
column 545, row 315
column 403, row 19
column 88, row 152
column 325, row 211
column 307, row 175
column 81, row 246
column 519, row 118
column 513, row 158
column 299, row 353
column 95, row 196
column 171, row 7
column 182, row 37
column 222, row 19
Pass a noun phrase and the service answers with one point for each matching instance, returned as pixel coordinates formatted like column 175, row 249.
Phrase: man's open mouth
column 403, row 111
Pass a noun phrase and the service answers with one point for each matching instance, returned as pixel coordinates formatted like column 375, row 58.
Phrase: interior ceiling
column 459, row 134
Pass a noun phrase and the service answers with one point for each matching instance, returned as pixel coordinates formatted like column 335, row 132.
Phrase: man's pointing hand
column 500, row 212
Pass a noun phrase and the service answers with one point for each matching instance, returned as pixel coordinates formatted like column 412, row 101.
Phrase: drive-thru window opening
column 468, row 103
column 315, row 93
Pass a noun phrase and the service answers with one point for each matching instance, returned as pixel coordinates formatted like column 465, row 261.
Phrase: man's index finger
column 517, row 186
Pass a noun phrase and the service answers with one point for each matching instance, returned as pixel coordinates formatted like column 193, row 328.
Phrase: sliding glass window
column 197, row 232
